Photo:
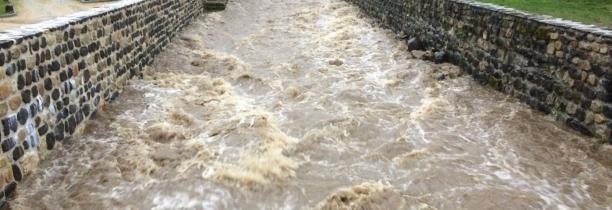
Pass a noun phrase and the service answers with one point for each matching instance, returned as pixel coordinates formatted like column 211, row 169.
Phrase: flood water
column 308, row 104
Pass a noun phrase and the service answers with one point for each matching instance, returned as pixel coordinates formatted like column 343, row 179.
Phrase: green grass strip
column 2, row 8
column 598, row 12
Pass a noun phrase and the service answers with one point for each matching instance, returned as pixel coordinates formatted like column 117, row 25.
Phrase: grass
column 2, row 7
column 598, row 12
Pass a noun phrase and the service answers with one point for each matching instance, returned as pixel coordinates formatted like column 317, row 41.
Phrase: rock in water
column 413, row 44
column 336, row 62
column 428, row 55
column 439, row 57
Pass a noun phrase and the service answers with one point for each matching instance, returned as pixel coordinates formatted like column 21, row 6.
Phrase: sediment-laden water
column 307, row 104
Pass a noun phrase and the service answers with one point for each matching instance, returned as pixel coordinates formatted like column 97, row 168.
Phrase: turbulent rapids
column 308, row 104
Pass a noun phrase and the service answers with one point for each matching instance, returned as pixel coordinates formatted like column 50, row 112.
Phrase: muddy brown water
column 307, row 104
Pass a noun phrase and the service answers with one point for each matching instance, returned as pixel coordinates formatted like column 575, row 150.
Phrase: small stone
column 9, row 70
column 196, row 63
column 26, row 96
column 592, row 79
column 9, row 124
column 24, row 48
column 8, row 144
column 603, row 50
column 590, row 37
column 58, row 132
column 84, row 51
column 550, row 49
column 595, row 47
column 43, row 130
column 584, row 65
column 63, row 76
column 28, row 78
column 599, row 118
column 55, row 94
column 48, row 84
column 588, row 119
column 21, row 135
column 439, row 57
column 5, row 91
column 596, row 106
column 42, row 71
column 413, row 44
column 21, row 65
column 482, row 65
column 18, row 153
column 15, row 53
column 9, row 190
column 336, row 62
column 30, row 63
column 75, row 72
column 15, row 102
column 50, row 140
column 17, row 172
column 554, row 36
column 55, row 66
column 20, row 82
column 22, row 116
column 3, row 109
column 584, row 45
column 571, row 108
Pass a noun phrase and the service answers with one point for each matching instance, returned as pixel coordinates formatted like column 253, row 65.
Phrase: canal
column 308, row 104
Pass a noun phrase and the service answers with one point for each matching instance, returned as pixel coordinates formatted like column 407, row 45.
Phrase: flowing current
column 308, row 104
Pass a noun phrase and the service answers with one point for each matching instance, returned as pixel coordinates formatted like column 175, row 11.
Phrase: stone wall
column 558, row 67
column 56, row 74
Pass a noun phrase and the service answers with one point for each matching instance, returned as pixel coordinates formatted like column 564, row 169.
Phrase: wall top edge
column 59, row 22
column 553, row 21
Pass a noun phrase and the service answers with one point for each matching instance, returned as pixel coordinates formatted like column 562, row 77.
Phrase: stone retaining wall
column 559, row 67
column 56, row 74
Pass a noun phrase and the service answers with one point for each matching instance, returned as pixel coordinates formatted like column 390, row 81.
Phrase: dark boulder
column 440, row 57
column 414, row 44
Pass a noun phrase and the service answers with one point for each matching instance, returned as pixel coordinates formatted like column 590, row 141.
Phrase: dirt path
column 34, row 11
